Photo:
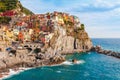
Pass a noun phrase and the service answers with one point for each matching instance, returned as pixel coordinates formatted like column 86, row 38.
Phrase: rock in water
column 74, row 61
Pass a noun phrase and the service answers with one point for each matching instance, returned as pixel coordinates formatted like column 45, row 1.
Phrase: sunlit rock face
column 69, row 44
column 69, row 37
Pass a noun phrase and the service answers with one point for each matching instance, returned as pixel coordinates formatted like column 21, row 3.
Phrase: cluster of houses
column 39, row 27
column 8, row 13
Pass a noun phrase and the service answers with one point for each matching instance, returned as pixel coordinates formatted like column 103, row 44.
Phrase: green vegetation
column 82, row 27
column 6, row 5
column 4, row 20
column 26, row 11
column 68, row 23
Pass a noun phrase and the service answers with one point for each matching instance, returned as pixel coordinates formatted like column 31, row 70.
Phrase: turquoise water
column 91, row 66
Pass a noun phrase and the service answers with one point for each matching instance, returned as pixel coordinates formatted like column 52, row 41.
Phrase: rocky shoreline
column 23, row 59
column 12, row 72
column 35, row 61
column 24, row 66
column 100, row 50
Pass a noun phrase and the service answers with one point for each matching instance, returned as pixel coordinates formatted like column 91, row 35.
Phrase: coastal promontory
column 31, row 40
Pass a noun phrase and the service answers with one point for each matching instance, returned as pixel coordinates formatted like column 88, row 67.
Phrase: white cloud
column 106, row 3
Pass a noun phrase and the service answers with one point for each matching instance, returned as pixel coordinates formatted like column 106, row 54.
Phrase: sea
column 90, row 66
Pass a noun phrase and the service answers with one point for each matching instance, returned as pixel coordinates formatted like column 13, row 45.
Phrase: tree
column 82, row 27
column 4, row 20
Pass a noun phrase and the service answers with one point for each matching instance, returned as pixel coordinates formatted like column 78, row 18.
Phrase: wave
column 58, row 71
column 67, row 63
column 71, row 63
column 13, row 72
column 80, row 62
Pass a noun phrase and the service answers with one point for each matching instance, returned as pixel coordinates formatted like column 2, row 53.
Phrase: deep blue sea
column 91, row 66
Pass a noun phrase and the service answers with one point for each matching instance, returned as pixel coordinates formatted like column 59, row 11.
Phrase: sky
column 101, row 17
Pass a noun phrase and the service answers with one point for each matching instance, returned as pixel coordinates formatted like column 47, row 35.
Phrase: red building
column 8, row 13
column 42, row 39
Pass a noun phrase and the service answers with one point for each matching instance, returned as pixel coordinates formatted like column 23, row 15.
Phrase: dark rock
column 98, row 47
column 105, row 52
column 57, row 59
column 30, row 65
column 12, row 52
column 40, row 56
column 74, row 60
column 118, row 55
column 0, row 49
column 37, row 50
column 92, row 49
column 29, row 49
column 26, row 46
column 113, row 54
column 108, row 51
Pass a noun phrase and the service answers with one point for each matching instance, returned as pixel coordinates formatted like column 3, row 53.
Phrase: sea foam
column 12, row 72
column 80, row 62
column 71, row 63
column 58, row 71
column 67, row 63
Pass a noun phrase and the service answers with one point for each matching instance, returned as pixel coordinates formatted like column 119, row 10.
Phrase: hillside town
column 34, row 40
column 56, row 44
column 36, row 28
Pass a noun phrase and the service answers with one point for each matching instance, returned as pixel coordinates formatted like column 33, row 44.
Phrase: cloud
column 97, row 6
column 106, row 3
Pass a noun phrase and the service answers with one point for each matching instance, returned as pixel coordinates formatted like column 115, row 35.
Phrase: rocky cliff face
column 69, row 40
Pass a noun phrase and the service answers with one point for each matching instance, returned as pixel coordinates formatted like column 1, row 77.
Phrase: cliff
column 69, row 39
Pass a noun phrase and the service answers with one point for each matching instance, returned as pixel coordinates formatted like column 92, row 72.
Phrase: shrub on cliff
column 82, row 27
column 4, row 20
column 6, row 5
